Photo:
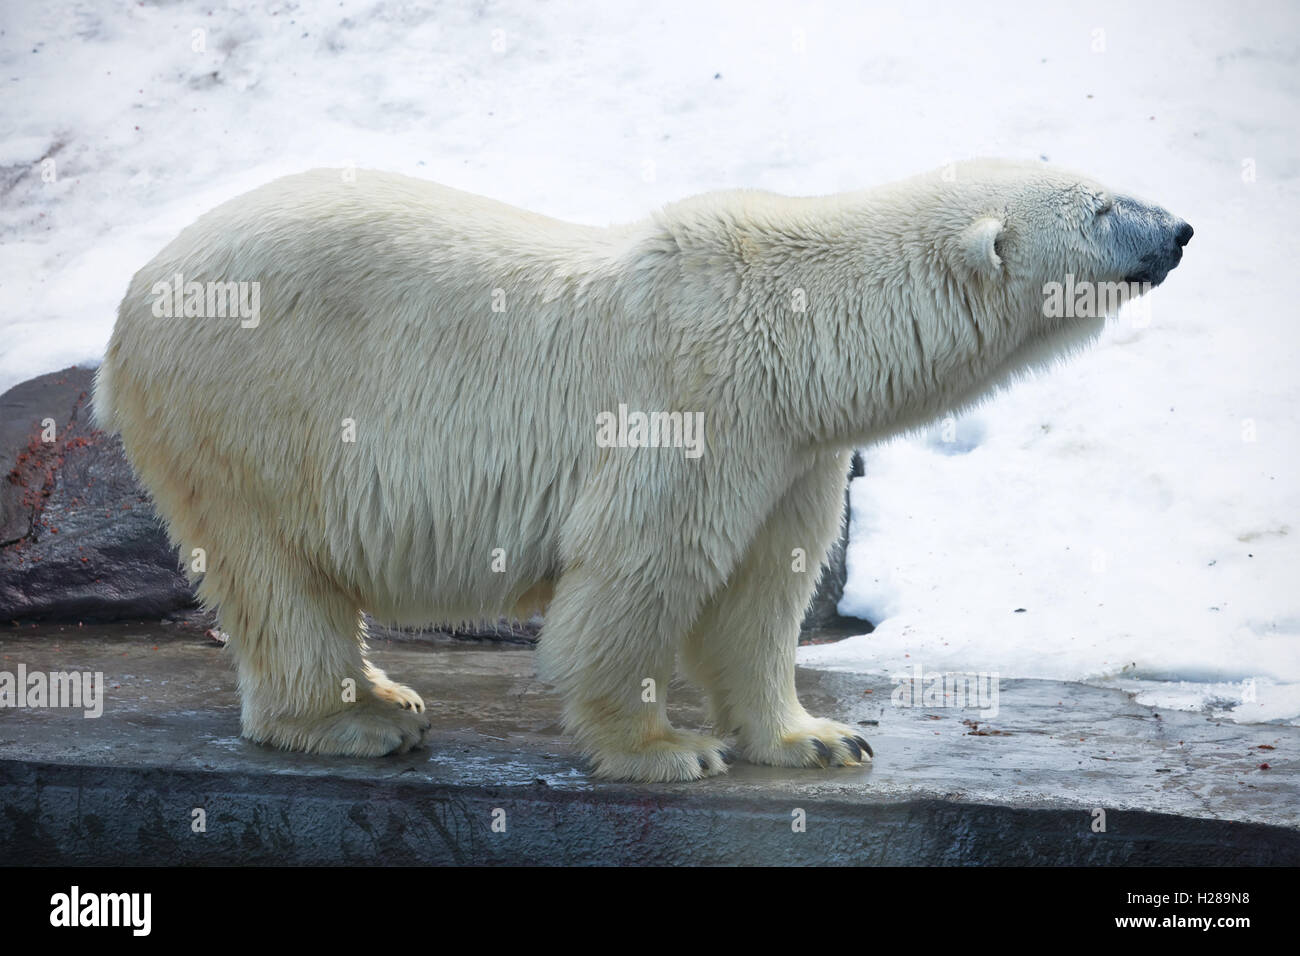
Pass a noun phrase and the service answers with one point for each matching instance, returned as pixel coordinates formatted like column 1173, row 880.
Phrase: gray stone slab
column 1177, row 788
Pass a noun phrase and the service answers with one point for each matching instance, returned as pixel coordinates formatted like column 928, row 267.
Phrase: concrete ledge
column 1177, row 789
column 140, row 816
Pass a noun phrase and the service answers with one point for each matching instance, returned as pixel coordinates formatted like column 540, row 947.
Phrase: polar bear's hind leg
column 304, row 681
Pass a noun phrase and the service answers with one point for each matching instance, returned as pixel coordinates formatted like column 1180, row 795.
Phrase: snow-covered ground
column 1140, row 504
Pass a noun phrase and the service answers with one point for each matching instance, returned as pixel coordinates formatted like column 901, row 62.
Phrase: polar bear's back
column 377, row 226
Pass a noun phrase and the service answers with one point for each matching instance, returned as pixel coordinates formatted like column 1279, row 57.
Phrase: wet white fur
column 475, row 429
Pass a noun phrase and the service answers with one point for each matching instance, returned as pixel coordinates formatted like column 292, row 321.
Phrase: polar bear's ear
column 979, row 246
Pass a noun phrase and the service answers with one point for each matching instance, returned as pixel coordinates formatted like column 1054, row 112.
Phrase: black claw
column 823, row 751
column 727, row 757
column 865, row 746
column 704, row 764
column 853, row 747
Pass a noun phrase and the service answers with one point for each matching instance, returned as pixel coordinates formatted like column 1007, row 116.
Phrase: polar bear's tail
column 102, row 399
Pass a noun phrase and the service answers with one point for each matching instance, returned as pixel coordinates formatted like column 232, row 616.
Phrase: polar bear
column 356, row 390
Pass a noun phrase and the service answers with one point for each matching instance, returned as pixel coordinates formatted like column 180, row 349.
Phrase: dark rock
column 823, row 620
column 82, row 542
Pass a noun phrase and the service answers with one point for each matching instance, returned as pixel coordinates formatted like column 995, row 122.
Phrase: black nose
column 1184, row 234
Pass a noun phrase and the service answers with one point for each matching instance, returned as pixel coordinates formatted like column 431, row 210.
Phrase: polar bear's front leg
column 742, row 647
column 609, row 644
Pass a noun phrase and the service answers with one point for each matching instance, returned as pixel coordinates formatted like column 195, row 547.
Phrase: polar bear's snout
column 1152, row 237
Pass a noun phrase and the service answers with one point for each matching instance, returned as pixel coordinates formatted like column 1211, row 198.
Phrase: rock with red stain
column 33, row 419
column 78, row 538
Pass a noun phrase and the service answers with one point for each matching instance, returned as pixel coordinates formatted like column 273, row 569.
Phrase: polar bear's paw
column 387, row 689
column 396, row 693
column 811, row 743
column 677, row 755
column 371, row 727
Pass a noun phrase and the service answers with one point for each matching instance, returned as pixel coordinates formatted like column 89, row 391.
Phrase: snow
column 1117, row 500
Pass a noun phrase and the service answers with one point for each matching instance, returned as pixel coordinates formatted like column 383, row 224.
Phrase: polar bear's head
column 1037, row 224
column 1011, row 240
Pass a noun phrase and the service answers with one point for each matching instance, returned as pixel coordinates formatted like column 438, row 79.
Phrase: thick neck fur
column 850, row 330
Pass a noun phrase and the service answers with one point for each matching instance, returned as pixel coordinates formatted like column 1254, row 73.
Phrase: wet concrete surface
column 500, row 784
